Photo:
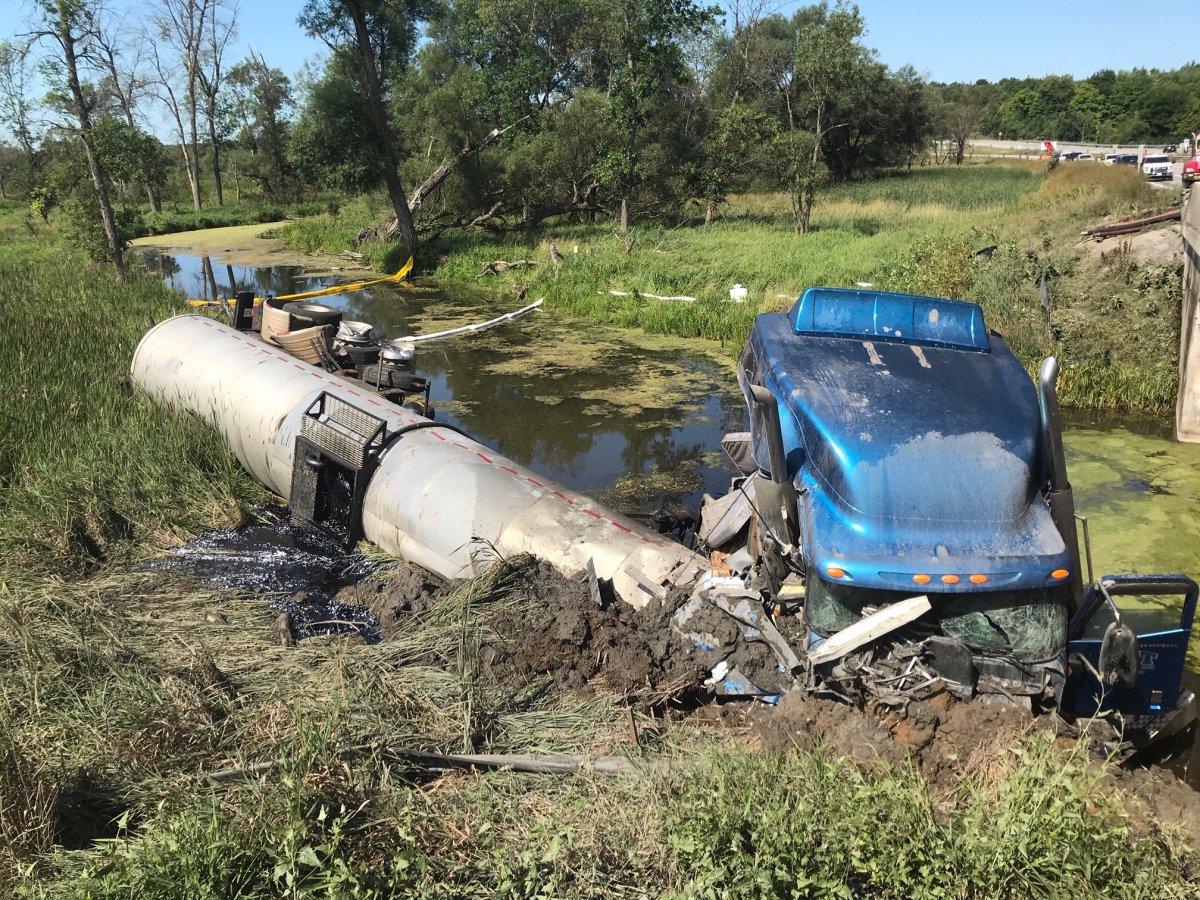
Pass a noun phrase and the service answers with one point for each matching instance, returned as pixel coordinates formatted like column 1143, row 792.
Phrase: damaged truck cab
column 900, row 448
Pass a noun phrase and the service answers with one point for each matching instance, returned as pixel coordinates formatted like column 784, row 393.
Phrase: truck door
column 1128, row 645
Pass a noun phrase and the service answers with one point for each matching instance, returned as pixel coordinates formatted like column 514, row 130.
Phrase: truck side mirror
column 1119, row 656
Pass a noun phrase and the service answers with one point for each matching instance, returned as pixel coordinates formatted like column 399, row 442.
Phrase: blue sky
column 946, row 40
column 964, row 40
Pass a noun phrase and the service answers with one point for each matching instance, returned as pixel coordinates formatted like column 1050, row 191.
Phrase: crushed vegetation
column 138, row 685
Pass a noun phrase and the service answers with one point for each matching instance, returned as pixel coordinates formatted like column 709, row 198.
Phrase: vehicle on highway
column 1083, row 156
column 1170, row 148
column 1127, row 159
column 1111, row 159
column 1067, row 157
column 1191, row 172
column 1158, row 167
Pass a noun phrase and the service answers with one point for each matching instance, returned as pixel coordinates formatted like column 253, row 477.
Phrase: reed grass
column 912, row 231
column 88, row 468
column 1114, row 328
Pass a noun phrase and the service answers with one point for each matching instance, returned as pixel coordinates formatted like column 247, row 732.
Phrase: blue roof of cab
column 891, row 317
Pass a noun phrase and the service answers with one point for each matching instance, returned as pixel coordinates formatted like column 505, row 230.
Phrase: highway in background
column 1034, row 149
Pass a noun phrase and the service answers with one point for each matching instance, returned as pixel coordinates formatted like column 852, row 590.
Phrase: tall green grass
column 88, row 467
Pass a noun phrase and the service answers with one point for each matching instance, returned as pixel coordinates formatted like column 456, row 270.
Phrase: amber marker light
column 978, row 579
column 949, row 579
column 835, row 572
column 1059, row 574
column 922, row 579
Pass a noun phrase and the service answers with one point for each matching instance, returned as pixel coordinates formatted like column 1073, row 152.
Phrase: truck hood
column 923, row 448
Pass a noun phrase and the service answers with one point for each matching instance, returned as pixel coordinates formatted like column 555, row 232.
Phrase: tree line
column 1139, row 106
column 467, row 113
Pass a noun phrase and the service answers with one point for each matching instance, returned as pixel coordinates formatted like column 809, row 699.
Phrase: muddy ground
column 557, row 630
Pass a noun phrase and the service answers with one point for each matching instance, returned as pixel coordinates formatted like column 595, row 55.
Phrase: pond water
column 638, row 419
column 587, row 405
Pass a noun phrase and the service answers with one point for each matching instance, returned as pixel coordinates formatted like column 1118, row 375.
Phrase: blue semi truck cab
column 900, row 448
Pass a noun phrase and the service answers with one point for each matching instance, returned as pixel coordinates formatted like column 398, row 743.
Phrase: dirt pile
column 1162, row 245
column 559, row 630
column 407, row 592
column 942, row 737
column 946, row 741
column 554, row 628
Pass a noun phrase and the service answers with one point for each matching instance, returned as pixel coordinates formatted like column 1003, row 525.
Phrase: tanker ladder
column 337, row 452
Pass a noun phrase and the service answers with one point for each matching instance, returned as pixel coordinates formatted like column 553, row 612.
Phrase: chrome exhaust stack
column 1059, row 494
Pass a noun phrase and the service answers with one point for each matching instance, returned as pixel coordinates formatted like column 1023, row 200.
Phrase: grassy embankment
column 178, row 216
column 1114, row 327
column 120, row 689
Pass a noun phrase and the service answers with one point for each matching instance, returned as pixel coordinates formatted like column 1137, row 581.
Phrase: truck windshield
column 1029, row 625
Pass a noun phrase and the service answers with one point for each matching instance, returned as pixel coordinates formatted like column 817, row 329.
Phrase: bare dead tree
column 211, row 76
column 165, row 91
column 180, row 25
column 122, row 56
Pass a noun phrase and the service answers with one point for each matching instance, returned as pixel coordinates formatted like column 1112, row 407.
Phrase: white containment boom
column 437, row 497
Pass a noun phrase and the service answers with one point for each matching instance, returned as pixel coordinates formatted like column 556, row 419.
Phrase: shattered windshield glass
column 1029, row 625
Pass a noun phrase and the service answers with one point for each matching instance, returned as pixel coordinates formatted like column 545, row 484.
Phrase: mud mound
column 1164, row 797
column 405, row 593
column 559, row 630
column 942, row 737
column 554, row 629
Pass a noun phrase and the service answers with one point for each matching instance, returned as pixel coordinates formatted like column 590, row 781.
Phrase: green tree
column 333, row 142
column 129, row 155
column 379, row 36
column 738, row 131
column 16, row 106
column 12, row 164
column 885, row 122
column 647, row 57
column 260, row 101
column 71, row 25
column 1090, row 110
column 828, row 66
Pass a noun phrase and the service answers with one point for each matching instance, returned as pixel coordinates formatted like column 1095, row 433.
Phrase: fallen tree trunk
column 533, row 763
column 448, row 165
column 1131, row 226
